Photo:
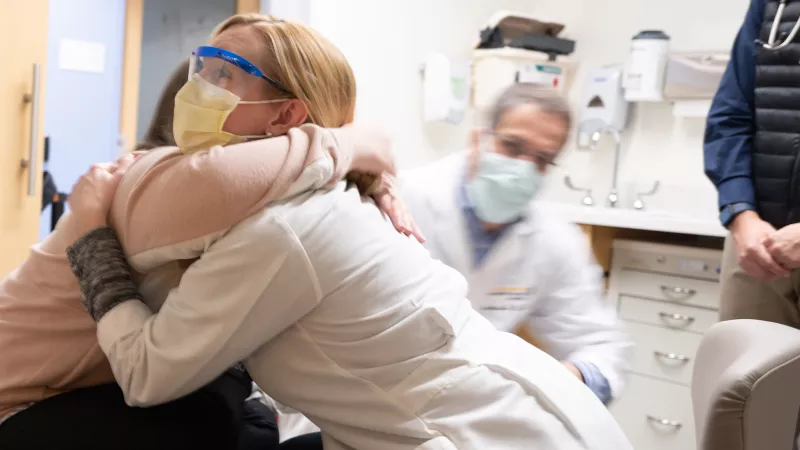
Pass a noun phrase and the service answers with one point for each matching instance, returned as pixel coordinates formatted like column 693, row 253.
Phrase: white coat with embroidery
column 540, row 272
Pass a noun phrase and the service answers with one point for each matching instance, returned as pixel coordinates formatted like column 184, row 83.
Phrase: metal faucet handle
column 612, row 198
column 587, row 198
column 639, row 203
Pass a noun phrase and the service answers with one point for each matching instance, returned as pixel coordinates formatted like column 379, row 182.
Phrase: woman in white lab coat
column 334, row 314
column 523, row 266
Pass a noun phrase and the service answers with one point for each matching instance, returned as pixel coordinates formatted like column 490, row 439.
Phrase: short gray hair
column 518, row 94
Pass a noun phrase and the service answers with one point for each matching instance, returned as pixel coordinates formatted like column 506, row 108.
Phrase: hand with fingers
column 91, row 196
column 751, row 234
column 784, row 246
column 373, row 173
column 389, row 201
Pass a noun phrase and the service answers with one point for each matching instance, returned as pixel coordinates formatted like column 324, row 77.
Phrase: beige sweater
column 48, row 342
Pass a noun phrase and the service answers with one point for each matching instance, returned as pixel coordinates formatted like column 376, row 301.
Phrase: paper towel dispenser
column 694, row 75
column 445, row 88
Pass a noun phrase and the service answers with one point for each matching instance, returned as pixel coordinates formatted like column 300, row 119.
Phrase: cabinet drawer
column 678, row 261
column 666, row 315
column 680, row 290
column 647, row 402
column 663, row 353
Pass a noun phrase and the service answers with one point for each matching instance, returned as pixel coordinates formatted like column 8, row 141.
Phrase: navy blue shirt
column 482, row 241
column 730, row 129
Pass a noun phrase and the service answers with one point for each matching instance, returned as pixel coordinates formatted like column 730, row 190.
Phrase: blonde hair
column 307, row 64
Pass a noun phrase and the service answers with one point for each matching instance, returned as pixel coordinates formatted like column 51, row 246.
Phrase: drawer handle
column 664, row 422
column 672, row 356
column 668, row 318
column 677, row 293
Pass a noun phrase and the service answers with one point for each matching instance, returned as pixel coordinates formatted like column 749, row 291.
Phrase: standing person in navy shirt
column 752, row 155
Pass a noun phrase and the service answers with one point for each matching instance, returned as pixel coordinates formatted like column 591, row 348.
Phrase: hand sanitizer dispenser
column 445, row 89
column 603, row 104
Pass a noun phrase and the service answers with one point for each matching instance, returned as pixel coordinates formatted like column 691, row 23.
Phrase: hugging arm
column 250, row 285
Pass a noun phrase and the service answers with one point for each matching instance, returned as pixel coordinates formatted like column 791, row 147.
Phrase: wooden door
column 23, row 30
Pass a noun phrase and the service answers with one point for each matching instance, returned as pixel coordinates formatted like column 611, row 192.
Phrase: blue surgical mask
column 503, row 187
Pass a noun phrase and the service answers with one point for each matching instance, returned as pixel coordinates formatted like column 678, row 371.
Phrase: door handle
column 33, row 99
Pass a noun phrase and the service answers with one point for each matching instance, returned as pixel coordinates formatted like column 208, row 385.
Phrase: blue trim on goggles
column 238, row 61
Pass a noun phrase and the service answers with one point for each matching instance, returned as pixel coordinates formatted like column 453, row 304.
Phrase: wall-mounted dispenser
column 694, row 75
column 445, row 88
column 691, row 81
column 647, row 63
column 603, row 105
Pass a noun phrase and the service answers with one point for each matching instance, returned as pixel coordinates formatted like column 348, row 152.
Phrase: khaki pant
column 743, row 297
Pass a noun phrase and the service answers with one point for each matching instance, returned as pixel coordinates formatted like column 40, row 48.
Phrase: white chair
column 746, row 387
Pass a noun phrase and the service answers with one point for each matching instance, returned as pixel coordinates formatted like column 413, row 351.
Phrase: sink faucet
column 613, row 195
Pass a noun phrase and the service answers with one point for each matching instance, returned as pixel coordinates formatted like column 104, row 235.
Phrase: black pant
column 260, row 426
column 312, row 441
column 97, row 418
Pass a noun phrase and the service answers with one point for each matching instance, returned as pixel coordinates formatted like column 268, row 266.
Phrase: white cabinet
column 663, row 353
column 667, row 296
column 656, row 415
column 670, row 315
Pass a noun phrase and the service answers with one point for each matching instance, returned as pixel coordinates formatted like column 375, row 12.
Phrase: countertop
column 638, row 220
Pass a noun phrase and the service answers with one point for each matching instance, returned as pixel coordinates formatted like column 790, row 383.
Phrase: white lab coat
column 540, row 273
column 357, row 327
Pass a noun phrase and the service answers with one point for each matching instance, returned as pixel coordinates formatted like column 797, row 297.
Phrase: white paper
column 82, row 56
column 541, row 73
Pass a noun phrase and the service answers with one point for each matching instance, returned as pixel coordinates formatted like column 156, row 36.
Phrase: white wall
column 657, row 145
column 386, row 42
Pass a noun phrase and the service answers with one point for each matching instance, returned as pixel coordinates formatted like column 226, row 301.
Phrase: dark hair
column 159, row 133
column 518, row 94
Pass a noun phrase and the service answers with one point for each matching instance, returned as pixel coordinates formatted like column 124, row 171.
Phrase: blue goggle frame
column 238, row 61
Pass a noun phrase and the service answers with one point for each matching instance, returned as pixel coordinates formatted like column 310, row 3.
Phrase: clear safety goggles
column 227, row 70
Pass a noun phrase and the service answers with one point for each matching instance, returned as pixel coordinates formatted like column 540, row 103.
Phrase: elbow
column 140, row 386
column 144, row 378
column 711, row 174
column 728, row 117
column 143, row 384
column 143, row 398
column 137, row 402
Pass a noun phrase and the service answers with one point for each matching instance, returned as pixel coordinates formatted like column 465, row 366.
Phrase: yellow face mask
column 201, row 109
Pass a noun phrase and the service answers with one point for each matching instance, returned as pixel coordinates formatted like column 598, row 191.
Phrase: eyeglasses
column 517, row 148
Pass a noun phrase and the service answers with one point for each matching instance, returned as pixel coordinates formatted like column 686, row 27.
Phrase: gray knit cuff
column 99, row 263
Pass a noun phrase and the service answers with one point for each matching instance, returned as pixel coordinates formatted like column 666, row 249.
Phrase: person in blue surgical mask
column 478, row 213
